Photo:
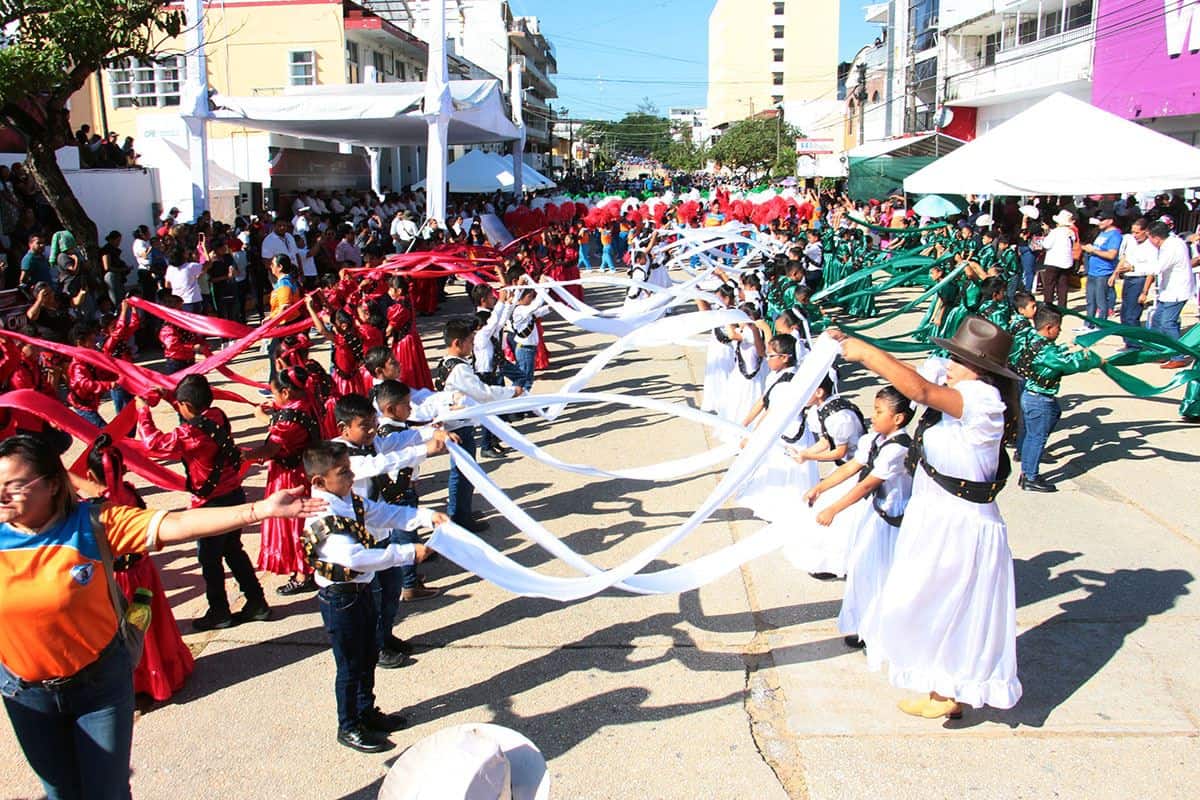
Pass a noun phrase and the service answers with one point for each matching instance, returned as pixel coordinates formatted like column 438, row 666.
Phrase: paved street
column 742, row 689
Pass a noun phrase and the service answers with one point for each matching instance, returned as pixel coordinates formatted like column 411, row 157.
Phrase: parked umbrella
column 936, row 206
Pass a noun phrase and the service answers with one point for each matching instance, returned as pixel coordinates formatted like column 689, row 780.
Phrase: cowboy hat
column 476, row 761
column 982, row 344
column 1063, row 217
column 1030, row 211
column 983, row 220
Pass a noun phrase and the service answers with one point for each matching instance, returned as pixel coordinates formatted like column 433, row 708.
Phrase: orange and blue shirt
column 56, row 613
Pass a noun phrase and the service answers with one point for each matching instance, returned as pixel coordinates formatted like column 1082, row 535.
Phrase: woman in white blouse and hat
column 1059, row 260
column 945, row 620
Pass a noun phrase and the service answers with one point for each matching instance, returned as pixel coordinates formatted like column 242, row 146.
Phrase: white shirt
column 842, row 426
column 274, row 244
column 184, row 281
column 1058, row 244
column 464, row 380
column 141, row 253
column 888, row 467
column 393, row 452
column 300, row 224
column 485, row 349
column 347, row 552
column 1176, row 282
column 523, row 316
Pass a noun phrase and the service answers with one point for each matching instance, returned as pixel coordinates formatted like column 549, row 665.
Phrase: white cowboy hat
column 983, row 220
column 469, row 762
column 1030, row 211
column 1063, row 217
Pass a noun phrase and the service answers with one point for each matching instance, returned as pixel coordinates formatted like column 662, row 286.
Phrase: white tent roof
column 1062, row 146
column 479, row 172
column 371, row 114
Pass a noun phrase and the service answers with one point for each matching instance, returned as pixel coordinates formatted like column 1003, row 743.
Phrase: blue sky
column 612, row 54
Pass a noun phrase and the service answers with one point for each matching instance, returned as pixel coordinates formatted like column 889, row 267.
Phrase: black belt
column 346, row 587
column 82, row 674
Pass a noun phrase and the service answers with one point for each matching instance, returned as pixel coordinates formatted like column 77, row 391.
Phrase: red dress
column 349, row 376
column 166, row 661
column 542, row 359
column 424, row 294
column 408, row 348
column 293, row 428
column 570, row 271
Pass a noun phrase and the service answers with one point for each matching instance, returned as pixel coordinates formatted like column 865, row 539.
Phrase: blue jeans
column 350, row 620
column 120, row 398
column 77, row 738
column 1131, row 309
column 1028, row 266
column 91, row 416
column 461, row 491
column 606, row 258
column 1165, row 318
column 585, row 255
column 526, row 354
column 389, row 583
column 1039, row 415
column 1101, row 298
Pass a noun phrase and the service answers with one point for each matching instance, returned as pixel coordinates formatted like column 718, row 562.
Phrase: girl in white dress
column 748, row 378
column 772, row 491
column 946, row 619
column 837, row 425
column 719, row 360
column 873, row 508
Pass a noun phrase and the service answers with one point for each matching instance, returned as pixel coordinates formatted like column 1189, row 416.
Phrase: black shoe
column 492, row 452
column 1036, row 485
column 376, row 720
column 474, row 526
column 391, row 659
column 1191, row 420
column 823, row 576
column 253, row 611
column 212, row 621
column 854, row 641
column 363, row 740
column 396, row 644
column 294, row 586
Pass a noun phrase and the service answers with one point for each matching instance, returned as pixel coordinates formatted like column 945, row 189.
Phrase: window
column 776, row 99
column 145, row 83
column 777, row 79
column 990, row 45
column 1052, row 22
column 302, row 68
column 1027, row 30
column 1079, row 15
column 401, row 70
column 778, row 9
column 377, row 61
column 353, row 70
column 777, row 55
column 778, row 31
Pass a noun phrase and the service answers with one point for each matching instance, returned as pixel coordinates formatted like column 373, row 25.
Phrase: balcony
column 1020, row 71
column 535, row 79
column 529, row 40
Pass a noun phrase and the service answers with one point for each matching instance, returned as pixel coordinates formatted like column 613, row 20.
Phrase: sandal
column 294, row 586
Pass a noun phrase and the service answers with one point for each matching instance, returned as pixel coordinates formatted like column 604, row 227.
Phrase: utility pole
column 862, row 101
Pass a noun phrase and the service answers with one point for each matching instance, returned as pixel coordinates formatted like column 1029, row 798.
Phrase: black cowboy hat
column 982, row 344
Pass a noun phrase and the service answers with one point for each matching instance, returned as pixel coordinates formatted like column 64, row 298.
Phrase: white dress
column 741, row 392
column 774, row 491
column 718, row 363
column 820, row 548
column 659, row 275
column 946, row 619
column 874, row 540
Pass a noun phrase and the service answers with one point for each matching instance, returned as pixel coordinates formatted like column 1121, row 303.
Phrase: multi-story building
column 781, row 54
column 690, row 122
column 487, row 33
column 261, row 47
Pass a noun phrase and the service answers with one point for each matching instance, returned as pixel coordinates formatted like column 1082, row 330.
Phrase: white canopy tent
column 1062, row 146
column 480, row 172
column 371, row 114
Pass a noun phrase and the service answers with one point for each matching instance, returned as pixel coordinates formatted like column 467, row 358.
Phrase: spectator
column 131, row 156
column 168, row 222
column 183, row 279
column 280, row 242
column 1059, row 260
column 111, row 155
column 1138, row 265
column 1175, row 285
column 1101, row 264
column 115, row 269
column 35, row 267
column 348, row 249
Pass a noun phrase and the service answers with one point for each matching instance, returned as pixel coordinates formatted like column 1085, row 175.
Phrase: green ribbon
column 885, row 229
column 1158, row 347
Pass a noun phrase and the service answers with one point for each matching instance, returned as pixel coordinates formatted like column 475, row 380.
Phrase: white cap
column 1064, row 217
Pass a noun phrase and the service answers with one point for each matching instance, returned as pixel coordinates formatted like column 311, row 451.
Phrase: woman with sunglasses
column 66, row 674
column 945, row 620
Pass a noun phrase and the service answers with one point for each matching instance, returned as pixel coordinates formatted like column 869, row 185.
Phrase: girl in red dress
column 166, row 661
column 570, row 266
column 293, row 427
column 349, row 350
column 294, row 353
column 406, row 340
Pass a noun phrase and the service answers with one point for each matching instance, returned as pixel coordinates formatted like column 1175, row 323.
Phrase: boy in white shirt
column 344, row 555
column 522, row 323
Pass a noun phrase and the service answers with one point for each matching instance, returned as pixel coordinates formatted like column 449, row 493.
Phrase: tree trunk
column 43, row 166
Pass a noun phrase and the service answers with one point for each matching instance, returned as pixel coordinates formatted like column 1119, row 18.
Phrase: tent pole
column 196, row 118
column 438, row 108
column 518, row 146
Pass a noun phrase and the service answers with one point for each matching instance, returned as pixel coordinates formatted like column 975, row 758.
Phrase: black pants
column 1055, row 285
column 228, row 548
column 350, row 618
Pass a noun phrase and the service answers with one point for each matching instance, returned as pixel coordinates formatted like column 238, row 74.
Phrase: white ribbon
column 471, row 553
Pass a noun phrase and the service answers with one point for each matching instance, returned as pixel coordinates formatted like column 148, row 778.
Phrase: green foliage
column 758, row 146
column 638, row 133
column 53, row 45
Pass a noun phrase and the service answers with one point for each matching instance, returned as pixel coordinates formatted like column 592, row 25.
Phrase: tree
column 758, row 146
column 637, row 133
column 51, row 49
